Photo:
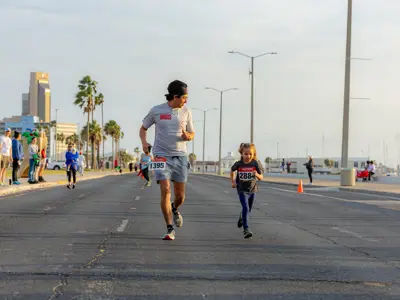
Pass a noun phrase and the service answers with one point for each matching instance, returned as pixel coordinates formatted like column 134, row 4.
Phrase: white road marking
column 342, row 230
column 137, row 198
column 226, row 192
column 122, row 227
column 311, row 194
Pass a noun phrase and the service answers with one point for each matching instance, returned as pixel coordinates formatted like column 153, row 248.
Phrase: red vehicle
column 362, row 175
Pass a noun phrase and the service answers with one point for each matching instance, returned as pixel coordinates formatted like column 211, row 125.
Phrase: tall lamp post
column 220, row 124
column 252, row 87
column 204, row 133
column 194, row 122
column 346, row 102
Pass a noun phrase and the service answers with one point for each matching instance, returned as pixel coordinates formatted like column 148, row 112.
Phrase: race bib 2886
column 246, row 173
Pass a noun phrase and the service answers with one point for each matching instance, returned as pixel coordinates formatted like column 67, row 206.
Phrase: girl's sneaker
column 16, row 183
column 69, row 186
column 73, row 186
column 240, row 221
column 247, row 233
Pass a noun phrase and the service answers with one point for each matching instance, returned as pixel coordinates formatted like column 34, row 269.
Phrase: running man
column 174, row 127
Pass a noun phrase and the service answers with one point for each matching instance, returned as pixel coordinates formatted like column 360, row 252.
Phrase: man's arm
column 188, row 133
column 148, row 121
column 143, row 138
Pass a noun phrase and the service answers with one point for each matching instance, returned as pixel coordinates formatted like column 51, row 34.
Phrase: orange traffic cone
column 300, row 187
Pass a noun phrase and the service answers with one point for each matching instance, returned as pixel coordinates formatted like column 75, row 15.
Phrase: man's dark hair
column 16, row 134
column 176, row 88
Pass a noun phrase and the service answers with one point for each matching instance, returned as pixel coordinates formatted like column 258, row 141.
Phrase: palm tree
column 110, row 129
column 95, row 137
column 72, row 139
column 99, row 100
column 192, row 159
column 59, row 138
column 118, row 136
column 137, row 152
column 84, row 98
column 41, row 127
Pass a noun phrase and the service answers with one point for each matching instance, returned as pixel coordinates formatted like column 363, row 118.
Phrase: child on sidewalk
column 248, row 171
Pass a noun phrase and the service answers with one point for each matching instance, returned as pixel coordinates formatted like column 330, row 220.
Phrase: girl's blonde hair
column 252, row 148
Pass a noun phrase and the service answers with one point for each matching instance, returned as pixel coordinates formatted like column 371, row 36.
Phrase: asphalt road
column 103, row 241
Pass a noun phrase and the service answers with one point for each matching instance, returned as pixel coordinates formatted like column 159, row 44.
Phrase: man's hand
column 186, row 136
column 145, row 146
column 234, row 185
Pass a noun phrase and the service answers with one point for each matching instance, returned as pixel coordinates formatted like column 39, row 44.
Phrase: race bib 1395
column 158, row 163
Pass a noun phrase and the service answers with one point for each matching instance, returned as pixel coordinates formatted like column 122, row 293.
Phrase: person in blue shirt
column 71, row 162
column 17, row 155
column 145, row 162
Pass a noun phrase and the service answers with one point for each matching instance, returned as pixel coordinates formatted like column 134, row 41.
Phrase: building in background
column 38, row 101
column 25, row 104
column 65, row 130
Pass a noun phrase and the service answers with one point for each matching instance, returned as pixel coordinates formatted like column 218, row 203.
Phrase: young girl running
column 145, row 162
column 248, row 170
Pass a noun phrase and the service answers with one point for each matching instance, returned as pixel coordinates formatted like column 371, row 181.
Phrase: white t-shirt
column 169, row 125
column 81, row 160
column 6, row 144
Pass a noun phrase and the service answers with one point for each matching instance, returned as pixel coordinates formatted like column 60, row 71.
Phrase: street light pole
column 204, row 133
column 204, row 141
column 252, row 102
column 220, row 124
column 55, row 135
column 346, row 102
column 252, row 88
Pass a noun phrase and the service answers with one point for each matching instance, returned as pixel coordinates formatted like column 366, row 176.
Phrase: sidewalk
column 366, row 187
column 52, row 181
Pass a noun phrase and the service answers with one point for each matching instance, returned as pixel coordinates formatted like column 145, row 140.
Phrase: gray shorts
column 175, row 170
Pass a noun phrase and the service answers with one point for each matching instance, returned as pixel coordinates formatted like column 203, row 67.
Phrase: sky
column 134, row 48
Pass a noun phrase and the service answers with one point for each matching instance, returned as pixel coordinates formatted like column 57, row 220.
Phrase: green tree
column 40, row 127
column 192, row 159
column 137, row 152
column 95, row 138
column 329, row 163
column 59, row 138
column 72, row 139
column 118, row 136
column 125, row 157
column 268, row 160
column 112, row 129
column 99, row 101
column 84, row 98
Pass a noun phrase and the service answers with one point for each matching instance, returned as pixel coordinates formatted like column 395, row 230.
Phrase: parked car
column 56, row 165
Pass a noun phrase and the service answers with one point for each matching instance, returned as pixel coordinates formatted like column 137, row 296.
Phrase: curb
column 40, row 186
column 381, row 193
